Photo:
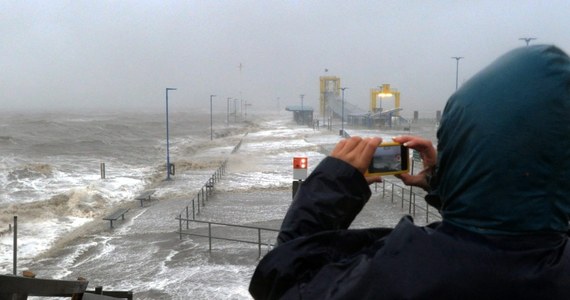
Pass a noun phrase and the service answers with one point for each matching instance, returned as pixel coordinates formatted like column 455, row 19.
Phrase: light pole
column 342, row 116
column 235, row 110
column 211, row 122
column 457, row 58
column 228, row 113
column 167, row 137
column 527, row 39
column 302, row 110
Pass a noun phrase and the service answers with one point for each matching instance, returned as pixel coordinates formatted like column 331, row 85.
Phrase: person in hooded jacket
column 501, row 179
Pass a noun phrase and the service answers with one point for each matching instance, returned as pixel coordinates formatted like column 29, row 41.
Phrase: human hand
column 356, row 151
column 373, row 179
column 428, row 155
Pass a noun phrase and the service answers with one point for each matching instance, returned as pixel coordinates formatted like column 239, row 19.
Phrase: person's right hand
column 356, row 151
column 428, row 155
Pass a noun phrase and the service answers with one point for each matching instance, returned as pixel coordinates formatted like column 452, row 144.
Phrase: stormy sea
column 52, row 181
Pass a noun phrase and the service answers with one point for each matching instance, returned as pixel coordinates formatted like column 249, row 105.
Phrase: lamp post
column 527, row 39
column 228, row 113
column 235, row 110
column 302, row 110
column 167, row 137
column 211, row 122
column 457, row 58
column 342, row 116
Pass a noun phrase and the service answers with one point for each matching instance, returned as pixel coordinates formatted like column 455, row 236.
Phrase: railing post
column 15, row 244
column 414, row 200
column 210, row 236
column 187, row 215
column 180, row 225
column 198, row 202
column 409, row 206
column 193, row 211
column 258, row 242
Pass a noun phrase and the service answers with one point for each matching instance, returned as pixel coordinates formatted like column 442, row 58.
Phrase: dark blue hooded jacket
column 503, row 181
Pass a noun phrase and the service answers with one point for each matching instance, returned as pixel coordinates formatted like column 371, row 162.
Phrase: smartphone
column 389, row 158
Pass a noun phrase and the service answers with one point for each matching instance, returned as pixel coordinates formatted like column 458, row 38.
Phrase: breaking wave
column 31, row 171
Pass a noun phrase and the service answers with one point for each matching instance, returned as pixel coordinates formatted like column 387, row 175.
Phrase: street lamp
column 235, row 110
column 211, row 122
column 302, row 111
column 527, row 39
column 457, row 58
column 228, row 113
column 167, row 137
column 342, row 117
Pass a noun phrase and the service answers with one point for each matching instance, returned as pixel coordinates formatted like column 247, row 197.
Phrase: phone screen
column 389, row 159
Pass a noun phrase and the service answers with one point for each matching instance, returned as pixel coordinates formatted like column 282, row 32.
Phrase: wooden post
column 102, row 170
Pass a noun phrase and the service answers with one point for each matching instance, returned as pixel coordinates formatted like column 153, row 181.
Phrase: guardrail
column 207, row 189
column 396, row 191
column 211, row 237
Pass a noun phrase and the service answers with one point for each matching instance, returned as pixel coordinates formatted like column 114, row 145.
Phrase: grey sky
column 106, row 55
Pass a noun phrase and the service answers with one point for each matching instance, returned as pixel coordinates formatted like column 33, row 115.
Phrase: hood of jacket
column 504, row 146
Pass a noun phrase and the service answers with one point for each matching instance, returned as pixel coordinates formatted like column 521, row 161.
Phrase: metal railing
column 207, row 189
column 211, row 236
column 398, row 192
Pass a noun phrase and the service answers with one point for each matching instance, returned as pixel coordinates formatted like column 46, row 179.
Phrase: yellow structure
column 329, row 85
column 384, row 91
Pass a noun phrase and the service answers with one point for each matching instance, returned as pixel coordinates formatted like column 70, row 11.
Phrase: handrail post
column 193, row 211
column 198, row 202
column 410, row 205
column 187, row 215
column 402, row 202
column 180, row 225
column 414, row 200
column 258, row 242
column 15, row 244
column 210, row 236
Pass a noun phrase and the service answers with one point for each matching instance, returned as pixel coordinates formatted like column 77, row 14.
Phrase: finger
column 368, row 146
column 350, row 145
column 338, row 148
column 373, row 179
column 344, row 150
column 363, row 152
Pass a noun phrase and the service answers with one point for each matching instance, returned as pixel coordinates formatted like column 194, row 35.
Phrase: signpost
column 300, row 165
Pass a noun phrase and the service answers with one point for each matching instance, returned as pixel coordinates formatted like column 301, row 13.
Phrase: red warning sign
column 300, row 165
column 300, row 162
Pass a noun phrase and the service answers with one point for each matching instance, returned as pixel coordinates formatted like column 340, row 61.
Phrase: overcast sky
column 121, row 55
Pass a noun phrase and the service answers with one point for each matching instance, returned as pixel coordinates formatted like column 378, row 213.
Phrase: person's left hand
column 373, row 179
column 429, row 158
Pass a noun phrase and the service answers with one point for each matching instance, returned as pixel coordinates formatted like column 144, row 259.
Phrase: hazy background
column 121, row 55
